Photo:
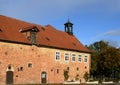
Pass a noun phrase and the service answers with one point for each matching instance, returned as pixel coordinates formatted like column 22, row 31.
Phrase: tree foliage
column 105, row 60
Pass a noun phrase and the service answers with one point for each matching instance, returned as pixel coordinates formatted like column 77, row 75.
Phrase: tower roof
column 68, row 22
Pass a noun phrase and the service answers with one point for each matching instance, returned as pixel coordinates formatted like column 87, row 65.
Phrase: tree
column 97, row 48
column 104, row 59
column 111, row 62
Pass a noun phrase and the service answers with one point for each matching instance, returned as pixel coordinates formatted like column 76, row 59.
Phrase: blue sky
column 93, row 20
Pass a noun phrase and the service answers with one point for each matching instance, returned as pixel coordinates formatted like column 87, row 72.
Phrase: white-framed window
column 73, row 57
column 85, row 58
column 57, row 56
column 79, row 58
column 66, row 56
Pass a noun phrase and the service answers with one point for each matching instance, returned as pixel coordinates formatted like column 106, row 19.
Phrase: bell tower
column 69, row 27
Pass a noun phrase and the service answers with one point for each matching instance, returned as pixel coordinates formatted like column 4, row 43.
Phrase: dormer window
column 31, row 33
column 33, row 37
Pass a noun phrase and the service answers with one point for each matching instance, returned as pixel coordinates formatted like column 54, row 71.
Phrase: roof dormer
column 30, row 33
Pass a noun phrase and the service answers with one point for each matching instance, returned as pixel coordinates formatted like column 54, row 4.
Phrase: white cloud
column 113, row 37
column 108, row 34
column 113, row 33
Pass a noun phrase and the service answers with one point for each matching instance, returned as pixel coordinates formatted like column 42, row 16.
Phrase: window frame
column 57, row 56
column 85, row 58
column 79, row 58
column 73, row 57
column 68, row 57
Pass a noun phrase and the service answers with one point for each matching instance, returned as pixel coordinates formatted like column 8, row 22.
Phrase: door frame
column 10, row 75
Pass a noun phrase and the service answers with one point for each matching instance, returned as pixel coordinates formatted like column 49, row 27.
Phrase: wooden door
column 9, row 77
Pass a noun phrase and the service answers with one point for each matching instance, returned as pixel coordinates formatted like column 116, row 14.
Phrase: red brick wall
column 42, row 59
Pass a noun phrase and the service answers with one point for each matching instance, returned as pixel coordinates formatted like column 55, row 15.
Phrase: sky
column 93, row 20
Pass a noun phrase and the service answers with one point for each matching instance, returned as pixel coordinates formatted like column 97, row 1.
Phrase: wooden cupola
column 69, row 27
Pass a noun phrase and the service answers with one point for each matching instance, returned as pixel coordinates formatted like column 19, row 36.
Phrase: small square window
column 29, row 65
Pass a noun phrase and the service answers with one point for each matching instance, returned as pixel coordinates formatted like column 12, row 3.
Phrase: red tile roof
column 47, row 36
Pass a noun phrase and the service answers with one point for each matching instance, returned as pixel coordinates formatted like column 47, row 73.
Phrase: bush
column 66, row 76
column 86, row 76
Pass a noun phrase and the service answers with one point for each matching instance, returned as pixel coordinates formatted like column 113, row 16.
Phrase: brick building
column 31, row 53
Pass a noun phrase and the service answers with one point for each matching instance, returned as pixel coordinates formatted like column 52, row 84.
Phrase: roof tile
column 47, row 35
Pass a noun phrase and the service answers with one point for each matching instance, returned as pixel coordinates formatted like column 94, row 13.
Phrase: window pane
column 86, row 58
column 43, row 75
column 57, row 55
column 73, row 57
column 79, row 58
column 66, row 57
